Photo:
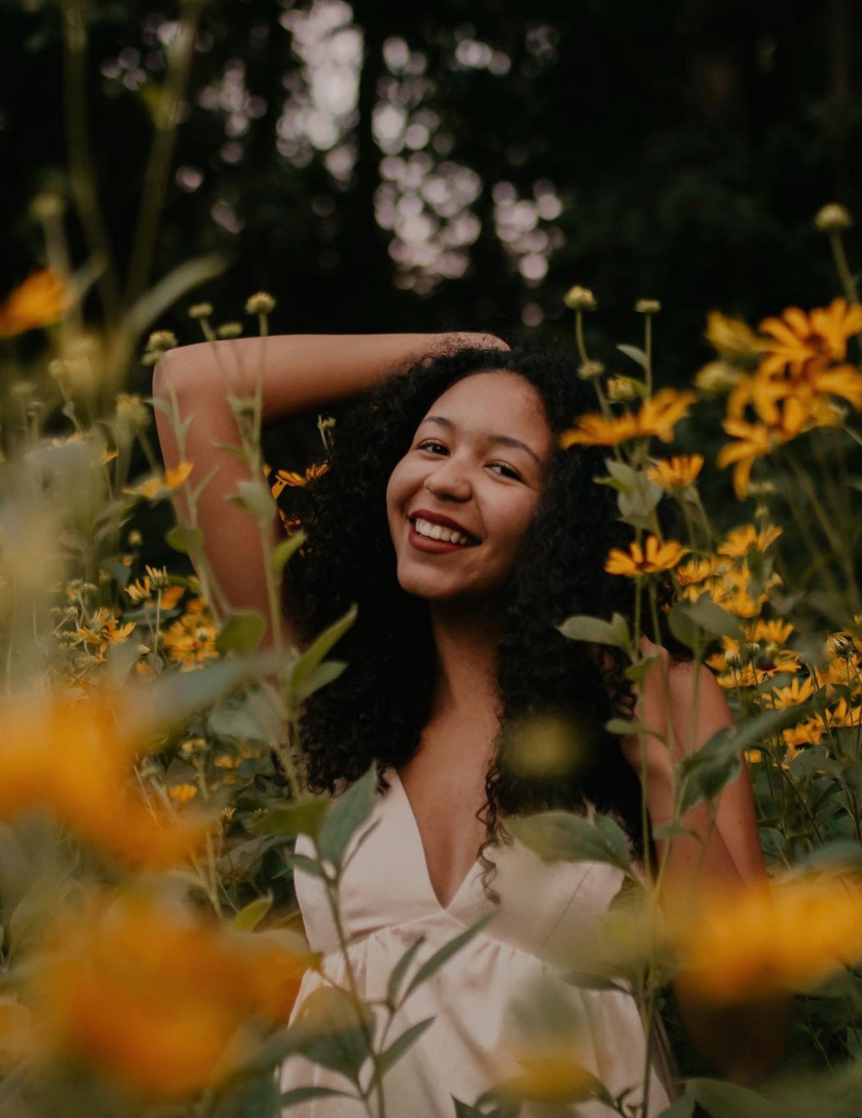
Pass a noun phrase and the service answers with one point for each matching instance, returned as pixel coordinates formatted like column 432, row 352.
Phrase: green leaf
column 446, row 952
column 303, row 1094
column 707, row 771
column 248, row 918
column 621, row 629
column 184, row 539
column 586, row 981
column 335, row 1039
column 403, row 1044
column 304, row 863
column 255, row 497
column 242, row 633
column 711, row 618
column 305, row 665
column 682, row 1108
column 347, row 813
column 562, row 836
column 284, row 551
column 159, row 298
column 256, row 1098
column 400, row 969
column 323, row 674
column 641, row 499
column 635, row 353
column 244, row 721
column 727, row 1100
column 583, row 628
column 304, row 817
column 623, row 728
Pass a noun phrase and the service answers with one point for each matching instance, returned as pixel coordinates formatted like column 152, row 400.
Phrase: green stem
column 162, row 150
column 81, row 163
column 844, row 273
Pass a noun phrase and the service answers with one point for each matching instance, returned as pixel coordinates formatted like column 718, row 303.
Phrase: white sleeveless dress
column 387, row 902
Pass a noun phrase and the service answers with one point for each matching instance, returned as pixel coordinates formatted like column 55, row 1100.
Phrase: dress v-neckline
column 423, row 858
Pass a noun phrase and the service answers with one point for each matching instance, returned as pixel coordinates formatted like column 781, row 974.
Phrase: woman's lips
column 425, row 543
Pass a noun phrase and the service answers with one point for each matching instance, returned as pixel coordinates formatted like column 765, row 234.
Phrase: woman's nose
column 449, row 479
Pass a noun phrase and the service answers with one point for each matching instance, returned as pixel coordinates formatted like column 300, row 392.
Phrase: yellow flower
column 764, row 941
column 797, row 691
column 740, row 540
column 695, row 570
column 653, row 556
column 547, row 1074
column 753, row 441
column 76, row 760
column 800, row 341
column 160, row 485
column 285, row 478
column 809, row 732
column 657, row 416
column 677, row 472
column 103, row 629
column 39, row 301
column 191, row 639
column 844, row 715
column 770, row 632
column 182, row 793
column 732, row 337
column 149, row 995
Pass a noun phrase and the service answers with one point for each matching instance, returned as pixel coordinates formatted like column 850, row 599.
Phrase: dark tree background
column 417, row 167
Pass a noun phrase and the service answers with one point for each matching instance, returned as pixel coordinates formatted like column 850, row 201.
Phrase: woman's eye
column 433, row 446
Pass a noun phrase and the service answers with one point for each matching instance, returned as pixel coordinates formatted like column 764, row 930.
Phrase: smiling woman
column 466, row 533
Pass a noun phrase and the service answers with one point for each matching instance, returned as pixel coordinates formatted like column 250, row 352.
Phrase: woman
column 455, row 641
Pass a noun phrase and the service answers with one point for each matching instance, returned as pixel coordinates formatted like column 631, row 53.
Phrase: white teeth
column 438, row 532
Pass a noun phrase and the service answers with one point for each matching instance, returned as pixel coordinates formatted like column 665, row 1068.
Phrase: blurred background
column 387, row 166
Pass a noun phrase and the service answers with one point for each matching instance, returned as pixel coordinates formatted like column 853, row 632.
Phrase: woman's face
column 477, row 463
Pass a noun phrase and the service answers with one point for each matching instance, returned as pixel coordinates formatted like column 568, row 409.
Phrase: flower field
column 151, row 784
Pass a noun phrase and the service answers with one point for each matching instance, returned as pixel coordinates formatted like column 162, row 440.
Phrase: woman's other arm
column 296, row 374
column 745, row 1042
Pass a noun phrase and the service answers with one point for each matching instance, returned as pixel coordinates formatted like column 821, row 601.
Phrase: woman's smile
column 481, row 452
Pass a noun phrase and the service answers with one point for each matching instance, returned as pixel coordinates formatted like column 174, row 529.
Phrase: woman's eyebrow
column 504, row 440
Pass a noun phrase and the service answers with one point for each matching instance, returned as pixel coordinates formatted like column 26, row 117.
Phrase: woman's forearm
column 302, row 372
column 745, row 1042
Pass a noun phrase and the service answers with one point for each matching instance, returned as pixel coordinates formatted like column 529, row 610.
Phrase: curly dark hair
column 375, row 711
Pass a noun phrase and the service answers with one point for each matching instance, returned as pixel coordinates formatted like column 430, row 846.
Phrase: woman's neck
column 466, row 639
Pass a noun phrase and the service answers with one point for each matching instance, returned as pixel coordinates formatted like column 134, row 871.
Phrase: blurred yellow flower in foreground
column 548, row 1073
column 677, row 472
column 653, row 556
column 772, row 940
column 160, row 485
column 145, row 992
column 39, row 301
column 658, row 416
column 76, row 760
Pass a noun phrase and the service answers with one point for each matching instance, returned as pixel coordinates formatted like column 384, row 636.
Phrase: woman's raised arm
column 297, row 373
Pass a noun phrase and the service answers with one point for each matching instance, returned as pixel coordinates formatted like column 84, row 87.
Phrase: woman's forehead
column 492, row 396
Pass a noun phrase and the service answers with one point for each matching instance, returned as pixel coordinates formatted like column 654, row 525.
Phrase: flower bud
column 135, row 538
column 589, row 370
column 260, row 303
column 160, row 340
column 716, row 378
column 200, row 310
column 229, row 330
column 647, row 306
column 580, row 299
column 620, row 389
column 833, row 218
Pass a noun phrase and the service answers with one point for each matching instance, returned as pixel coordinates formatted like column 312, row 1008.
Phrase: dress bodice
column 478, row 997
